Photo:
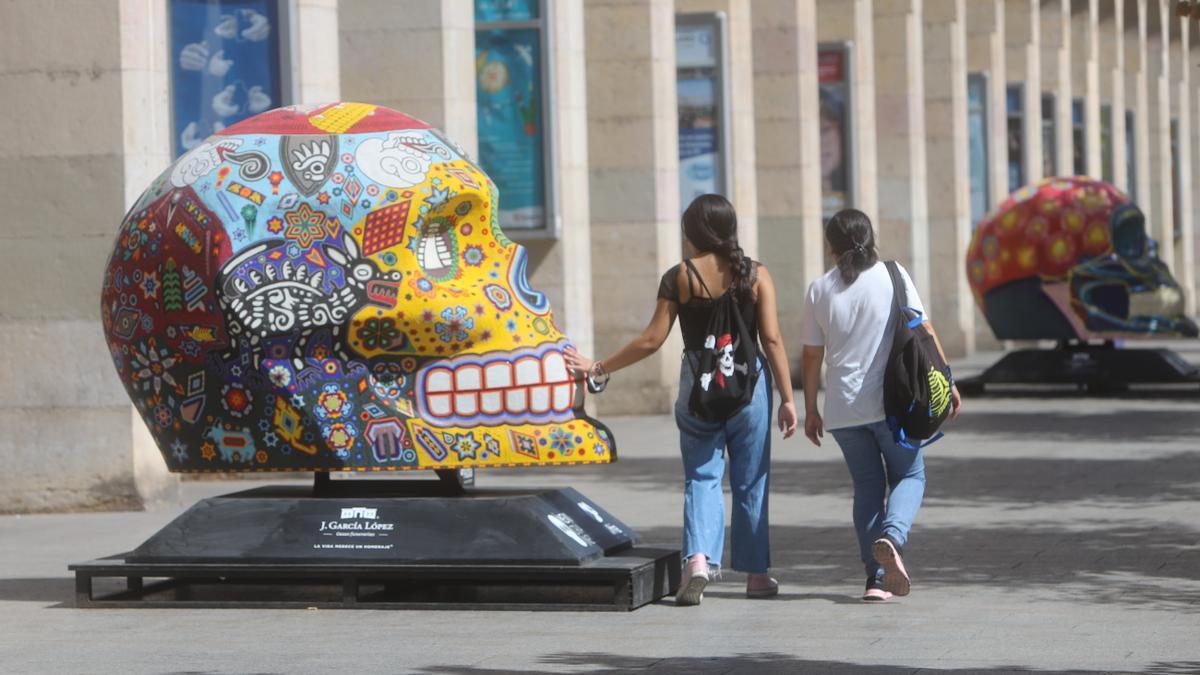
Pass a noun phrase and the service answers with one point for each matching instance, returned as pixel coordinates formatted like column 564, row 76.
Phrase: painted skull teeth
column 383, row 293
column 522, row 386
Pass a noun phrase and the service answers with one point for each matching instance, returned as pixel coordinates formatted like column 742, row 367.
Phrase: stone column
column 316, row 69
column 415, row 56
column 634, row 175
column 570, row 261
column 85, row 90
column 1162, row 183
column 739, row 80
column 1136, row 61
column 903, row 219
column 951, row 307
column 1055, row 23
column 1115, row 75
column 852, row 21
column 1085, row 69
column 986, row 54
column 1193, row 62
column 786, row 110
column 1022, row 35
column 1185, row 256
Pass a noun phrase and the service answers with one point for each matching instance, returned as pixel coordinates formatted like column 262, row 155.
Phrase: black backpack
column 726, row 370
column 917, row 383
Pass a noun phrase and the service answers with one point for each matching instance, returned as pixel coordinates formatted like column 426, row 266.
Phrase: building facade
column 599, row 120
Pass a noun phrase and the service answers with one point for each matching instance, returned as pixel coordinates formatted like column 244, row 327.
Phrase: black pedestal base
column 1097, row 369
column 375, row 544
column 620, row 582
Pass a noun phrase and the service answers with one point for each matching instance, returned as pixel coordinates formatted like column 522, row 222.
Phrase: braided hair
column 710, row 224
column 852, row 240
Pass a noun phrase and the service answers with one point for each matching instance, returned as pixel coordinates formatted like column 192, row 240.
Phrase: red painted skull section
column 1069, row 258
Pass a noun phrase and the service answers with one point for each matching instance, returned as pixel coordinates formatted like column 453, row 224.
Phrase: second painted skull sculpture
column 1069, row 258
column 327, row 287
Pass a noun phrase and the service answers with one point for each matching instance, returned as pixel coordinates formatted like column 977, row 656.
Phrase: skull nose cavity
column 530, row 388
column 436, row 247
column 436, row 257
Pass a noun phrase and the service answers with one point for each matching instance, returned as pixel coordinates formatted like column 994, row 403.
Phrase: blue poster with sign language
column 224, row 65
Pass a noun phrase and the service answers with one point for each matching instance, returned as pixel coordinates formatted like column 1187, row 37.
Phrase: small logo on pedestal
column 360, row 512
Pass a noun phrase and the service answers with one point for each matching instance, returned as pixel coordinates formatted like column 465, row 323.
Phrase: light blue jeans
column 747, row 436
column 876, row 464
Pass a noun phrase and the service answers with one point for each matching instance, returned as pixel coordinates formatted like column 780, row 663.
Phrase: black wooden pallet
column 620, row 582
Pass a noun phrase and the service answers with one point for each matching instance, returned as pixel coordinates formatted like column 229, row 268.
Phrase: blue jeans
column 747, row 435
column 900, row 469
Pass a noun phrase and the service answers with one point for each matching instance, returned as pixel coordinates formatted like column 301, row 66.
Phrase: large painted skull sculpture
column 327, row 288
column 1069, row 258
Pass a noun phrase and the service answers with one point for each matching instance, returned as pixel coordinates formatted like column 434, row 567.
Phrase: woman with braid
column 715, row 261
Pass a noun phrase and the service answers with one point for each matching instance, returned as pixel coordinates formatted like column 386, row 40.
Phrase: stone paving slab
column 1058, row 535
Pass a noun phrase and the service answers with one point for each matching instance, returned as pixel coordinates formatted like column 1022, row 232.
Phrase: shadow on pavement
column 747, row 664
column 1156, row 566
column 1022, row 480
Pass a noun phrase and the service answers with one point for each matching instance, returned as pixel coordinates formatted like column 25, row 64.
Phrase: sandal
column 766, row 588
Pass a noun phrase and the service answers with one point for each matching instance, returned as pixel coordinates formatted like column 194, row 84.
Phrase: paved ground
column 1058, row 534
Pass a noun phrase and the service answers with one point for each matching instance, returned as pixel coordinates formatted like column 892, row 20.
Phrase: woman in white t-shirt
column 847, row 324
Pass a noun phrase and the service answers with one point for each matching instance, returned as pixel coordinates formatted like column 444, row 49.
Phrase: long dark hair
column 852, row 240
column 710, row 223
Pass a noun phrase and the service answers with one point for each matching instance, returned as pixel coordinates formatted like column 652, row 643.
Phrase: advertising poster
column 835, row 126
column 697, row 88
column 506, row 10
column 508, row 67
column 224, row 65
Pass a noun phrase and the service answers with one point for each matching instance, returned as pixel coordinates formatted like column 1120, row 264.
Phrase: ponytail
column 852, row 240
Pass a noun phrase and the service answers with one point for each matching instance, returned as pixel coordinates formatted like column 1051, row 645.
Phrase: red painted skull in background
column 1069, row 258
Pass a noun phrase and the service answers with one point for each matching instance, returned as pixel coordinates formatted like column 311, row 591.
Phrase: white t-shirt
column 851, row 322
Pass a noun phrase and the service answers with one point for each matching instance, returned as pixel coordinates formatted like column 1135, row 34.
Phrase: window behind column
column 700, row 65
column 1078, row 137
column 1014, row 104
column 228, row 62
column 837, row 142
column 1049, row 136
column 513, row 90
column 977, row 138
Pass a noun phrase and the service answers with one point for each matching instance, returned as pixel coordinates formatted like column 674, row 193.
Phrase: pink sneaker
column 695, row 578
column 874, row 591
column 895, row 577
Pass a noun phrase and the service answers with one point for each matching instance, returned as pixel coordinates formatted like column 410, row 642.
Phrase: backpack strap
column 902, row 439
column 692, row 270
column 900, row 293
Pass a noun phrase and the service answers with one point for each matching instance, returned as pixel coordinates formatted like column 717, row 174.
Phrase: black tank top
column 694, row 314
